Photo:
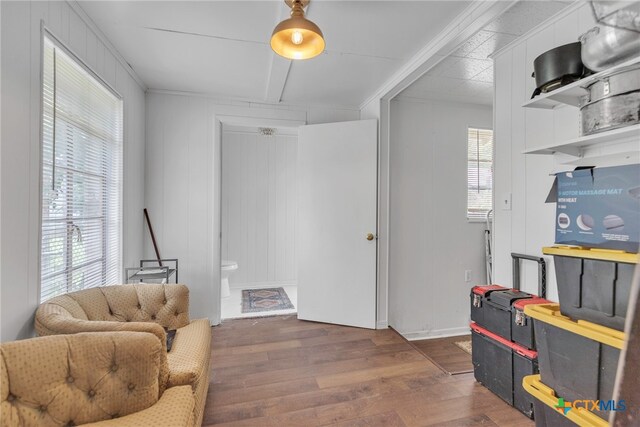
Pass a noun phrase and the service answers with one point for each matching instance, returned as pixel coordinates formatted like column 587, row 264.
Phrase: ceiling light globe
column 297, row 37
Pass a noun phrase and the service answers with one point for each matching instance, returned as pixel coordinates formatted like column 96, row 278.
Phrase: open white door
column 337, row 202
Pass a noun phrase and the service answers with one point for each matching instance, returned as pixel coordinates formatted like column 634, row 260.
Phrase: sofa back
column 166, row 305
column 76, row 379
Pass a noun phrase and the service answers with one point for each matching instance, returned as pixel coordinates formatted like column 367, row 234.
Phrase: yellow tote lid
column 547, row 395
column 592, row 253
column 550, row 313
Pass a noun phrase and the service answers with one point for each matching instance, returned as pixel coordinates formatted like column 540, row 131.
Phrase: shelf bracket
column 566, row 154
column 566, row 100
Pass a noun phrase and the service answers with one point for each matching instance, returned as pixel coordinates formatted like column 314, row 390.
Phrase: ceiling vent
column 266, row 131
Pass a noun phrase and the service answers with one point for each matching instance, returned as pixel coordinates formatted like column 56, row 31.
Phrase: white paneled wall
column 529, row 224
column 259, row 205
column 431, row 243
column 183, row 180
column 20, row 150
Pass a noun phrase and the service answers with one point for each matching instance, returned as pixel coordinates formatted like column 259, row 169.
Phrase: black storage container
column 500, row 310
column 550, row 417
column 552, row 412
column 577, row 360
column 500, row 365
column 522, row 331
column 593, row 284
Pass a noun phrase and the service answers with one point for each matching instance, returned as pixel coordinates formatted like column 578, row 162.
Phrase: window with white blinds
column 479, row 173
column 81, row 177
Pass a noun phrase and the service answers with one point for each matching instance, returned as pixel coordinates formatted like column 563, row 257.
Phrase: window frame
column 493, row 149
column 47, row 34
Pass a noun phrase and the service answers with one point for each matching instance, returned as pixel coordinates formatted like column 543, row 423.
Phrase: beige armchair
column 99, row 379
column 142, row 308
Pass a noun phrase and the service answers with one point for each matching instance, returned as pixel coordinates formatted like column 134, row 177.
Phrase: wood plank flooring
column 280, row 371
column 444, row 352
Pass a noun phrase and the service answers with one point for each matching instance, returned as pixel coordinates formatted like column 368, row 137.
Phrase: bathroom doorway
column 258, row 221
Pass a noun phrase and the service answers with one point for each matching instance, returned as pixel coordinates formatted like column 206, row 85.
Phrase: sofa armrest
column 175, row 408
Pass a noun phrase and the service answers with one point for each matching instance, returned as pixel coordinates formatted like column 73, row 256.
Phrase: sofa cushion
column 76, row 379
column 189, row 362
column 190, row 354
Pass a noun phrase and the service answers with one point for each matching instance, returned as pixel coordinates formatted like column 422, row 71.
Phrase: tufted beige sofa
column 142, row 308
column 106, row 379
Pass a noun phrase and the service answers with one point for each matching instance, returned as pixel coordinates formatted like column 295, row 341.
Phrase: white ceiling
column 467, row 74
column 222, row 47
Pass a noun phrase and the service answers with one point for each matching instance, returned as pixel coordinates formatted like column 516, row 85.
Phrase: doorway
column 258, row 221
column 310, row 241
column 441, row 179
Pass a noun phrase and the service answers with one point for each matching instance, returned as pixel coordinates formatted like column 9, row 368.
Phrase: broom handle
column 153, row 237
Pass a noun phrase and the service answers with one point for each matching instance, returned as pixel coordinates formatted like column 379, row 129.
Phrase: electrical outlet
column 467, row 276
column 505, row 202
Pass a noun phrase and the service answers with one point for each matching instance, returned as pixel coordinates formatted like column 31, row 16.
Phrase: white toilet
column 227, row 268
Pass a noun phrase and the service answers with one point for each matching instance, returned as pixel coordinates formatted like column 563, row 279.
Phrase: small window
column 479, row 173
column 82, row 127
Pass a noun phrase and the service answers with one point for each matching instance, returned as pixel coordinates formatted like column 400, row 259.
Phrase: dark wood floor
column 444, row 352
column 280, row 371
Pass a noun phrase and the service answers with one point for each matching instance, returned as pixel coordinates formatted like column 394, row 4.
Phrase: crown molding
column 75, row 6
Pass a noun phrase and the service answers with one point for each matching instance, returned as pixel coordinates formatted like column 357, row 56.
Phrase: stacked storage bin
column 503, row 343
column 579, row 340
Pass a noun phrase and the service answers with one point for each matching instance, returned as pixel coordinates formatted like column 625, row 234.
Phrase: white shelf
column 574, row 147
column 571, row 94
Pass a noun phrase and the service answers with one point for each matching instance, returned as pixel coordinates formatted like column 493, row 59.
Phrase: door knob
column 370, row 236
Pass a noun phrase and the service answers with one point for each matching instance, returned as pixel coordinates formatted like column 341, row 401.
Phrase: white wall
column 20, row 150
column 431, row 241
column 259, row 206
column 529, row 225
column 183, row 180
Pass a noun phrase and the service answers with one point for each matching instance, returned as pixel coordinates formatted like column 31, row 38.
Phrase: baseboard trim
column 260, row 285
column 382, row 324
column 439, row 333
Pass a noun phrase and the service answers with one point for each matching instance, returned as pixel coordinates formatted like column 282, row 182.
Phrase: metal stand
column 151, row 270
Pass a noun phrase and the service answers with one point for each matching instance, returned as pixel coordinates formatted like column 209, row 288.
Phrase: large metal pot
column 604, row 47
column 613, row 101
column 558, row 67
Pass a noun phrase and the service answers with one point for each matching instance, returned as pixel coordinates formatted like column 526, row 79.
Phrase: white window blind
column 81, row 177
column 479, row 173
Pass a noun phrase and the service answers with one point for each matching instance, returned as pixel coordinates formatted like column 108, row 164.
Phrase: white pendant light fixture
column 297, row 37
